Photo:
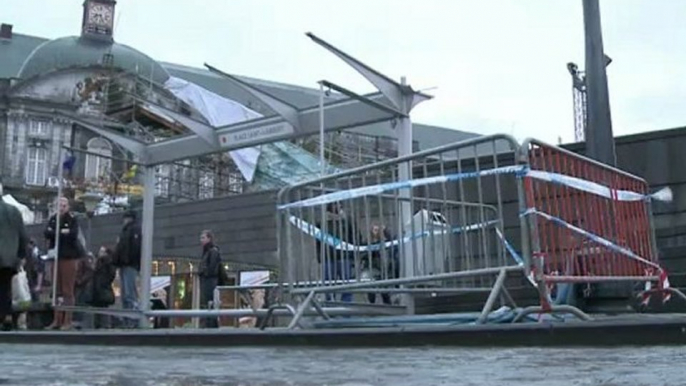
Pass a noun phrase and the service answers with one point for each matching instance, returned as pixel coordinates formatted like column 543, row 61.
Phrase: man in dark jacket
column 127, row 257
column 13, row 242
column 208, row 272
column 68, row 254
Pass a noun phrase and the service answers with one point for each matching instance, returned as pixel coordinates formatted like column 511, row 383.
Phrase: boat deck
column 625, row 330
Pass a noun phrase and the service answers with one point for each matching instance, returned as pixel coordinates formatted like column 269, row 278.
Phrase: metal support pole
column 304, row 306
column 404, row 136
column 497, row 288
column 600, row 143
column 147, row 235
column 322, row 156
column 90, row 227
column 60, row 177
column 195, row 301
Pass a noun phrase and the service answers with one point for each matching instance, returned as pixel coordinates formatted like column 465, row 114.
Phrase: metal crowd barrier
column 458, row 225
column 585, row 221
column 473, row 213
column 443, row 230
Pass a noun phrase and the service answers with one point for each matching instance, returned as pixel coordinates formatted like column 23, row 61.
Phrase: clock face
column 100, row 14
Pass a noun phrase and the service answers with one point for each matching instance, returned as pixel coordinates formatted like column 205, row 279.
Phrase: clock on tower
column 98, row 19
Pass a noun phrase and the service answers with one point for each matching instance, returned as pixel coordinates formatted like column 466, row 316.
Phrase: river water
column 125, row 366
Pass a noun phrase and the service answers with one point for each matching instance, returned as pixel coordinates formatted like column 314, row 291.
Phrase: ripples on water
column 122, row 366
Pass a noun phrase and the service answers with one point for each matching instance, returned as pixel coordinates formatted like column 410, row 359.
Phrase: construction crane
column 579, row 99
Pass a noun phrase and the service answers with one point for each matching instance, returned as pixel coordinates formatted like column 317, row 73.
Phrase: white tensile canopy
column 26, row 213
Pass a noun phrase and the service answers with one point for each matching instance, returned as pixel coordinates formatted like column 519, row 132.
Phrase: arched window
column 98, row 166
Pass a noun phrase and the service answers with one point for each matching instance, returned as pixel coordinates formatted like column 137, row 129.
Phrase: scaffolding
column 579, row 100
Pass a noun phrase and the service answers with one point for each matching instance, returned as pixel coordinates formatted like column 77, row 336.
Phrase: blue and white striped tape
column 596, row 188
column 391, row 186
column 509, row 248
column 338, row 244
column 521, row 171
column 593, row 237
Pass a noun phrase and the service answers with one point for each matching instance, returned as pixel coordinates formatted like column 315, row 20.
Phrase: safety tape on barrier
column 598, row 189
column 381, row 188
column 338, row 244
column 509, row 248
column 593, row 237
column 520, row 171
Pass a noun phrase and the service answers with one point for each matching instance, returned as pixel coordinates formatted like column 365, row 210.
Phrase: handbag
column 21, row 293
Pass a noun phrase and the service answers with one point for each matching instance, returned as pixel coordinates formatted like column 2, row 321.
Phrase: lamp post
column 600, row 143
column 90, row 201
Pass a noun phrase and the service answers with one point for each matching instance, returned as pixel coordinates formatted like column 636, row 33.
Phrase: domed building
column 46, row 83
column 93, row 77
column 75, row 52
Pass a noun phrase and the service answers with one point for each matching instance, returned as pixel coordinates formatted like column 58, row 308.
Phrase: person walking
column 68, row 254
column 127, row 258
column 381, row 260
column 338, row 261
column 102, row 295
column 35, row 270
column 209, row 272
column 13, row 243
column 83, row 291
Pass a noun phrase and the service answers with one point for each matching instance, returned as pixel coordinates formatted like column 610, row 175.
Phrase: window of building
column 206, row 185
column 235, row 183
column 39, row 128
column 99, row 164
column 162, row 180
column 36, row 170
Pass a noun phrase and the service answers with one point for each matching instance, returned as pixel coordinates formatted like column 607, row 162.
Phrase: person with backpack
column 35, row 270
column 127, row 257
column 211, row 272
column 13, row 242
column 68, row 255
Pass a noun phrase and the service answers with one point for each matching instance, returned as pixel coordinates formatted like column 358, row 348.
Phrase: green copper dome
column 76, row 52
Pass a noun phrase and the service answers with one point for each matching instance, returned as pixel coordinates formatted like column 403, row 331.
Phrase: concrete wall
column 244, row 227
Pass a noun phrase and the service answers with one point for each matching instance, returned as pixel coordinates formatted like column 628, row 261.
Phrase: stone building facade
column 45, row 83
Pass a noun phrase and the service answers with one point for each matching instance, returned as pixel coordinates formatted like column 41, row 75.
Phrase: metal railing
column 444, row 230
column 458, row 224
column 473, row 213
column 584, row 221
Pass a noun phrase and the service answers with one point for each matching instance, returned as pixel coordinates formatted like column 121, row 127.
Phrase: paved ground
column 23, row 365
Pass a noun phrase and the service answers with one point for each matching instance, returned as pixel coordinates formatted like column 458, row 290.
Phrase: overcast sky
column 496, row 65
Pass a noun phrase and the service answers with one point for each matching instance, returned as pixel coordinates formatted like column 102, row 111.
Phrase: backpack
column 222, row 276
